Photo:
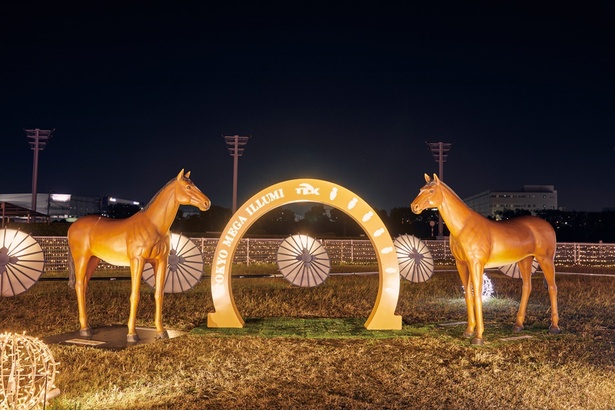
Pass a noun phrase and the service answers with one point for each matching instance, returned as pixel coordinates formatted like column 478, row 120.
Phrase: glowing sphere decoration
column 21, row 262
column 27, row 372
column 303, row 261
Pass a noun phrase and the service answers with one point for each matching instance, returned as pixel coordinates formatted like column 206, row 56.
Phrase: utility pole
column 235, row 146
column 38, row 140
column 440, row 152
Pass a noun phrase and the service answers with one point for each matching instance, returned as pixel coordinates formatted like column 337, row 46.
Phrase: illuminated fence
column 264, row 251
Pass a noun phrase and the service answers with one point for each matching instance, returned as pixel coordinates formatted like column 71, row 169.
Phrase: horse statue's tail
column 71, row 269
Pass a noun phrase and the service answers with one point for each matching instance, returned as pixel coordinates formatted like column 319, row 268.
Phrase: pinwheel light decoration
column 415, row 260
column 184, row 267
column 21, row 262
column 512, row 270
column 303, row 261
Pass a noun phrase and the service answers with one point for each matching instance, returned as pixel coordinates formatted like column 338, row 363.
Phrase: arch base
column 224, row 320
column 392, row 322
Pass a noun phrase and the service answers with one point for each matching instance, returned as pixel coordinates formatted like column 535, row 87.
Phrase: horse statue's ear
column 427, row 180
column 187, row 174
column 180, row 175
column 435, row 178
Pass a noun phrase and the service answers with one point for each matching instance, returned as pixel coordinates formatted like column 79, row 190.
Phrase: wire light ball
column 414, row 258
column 303, row 261
column 487, row 288
column 28, row 372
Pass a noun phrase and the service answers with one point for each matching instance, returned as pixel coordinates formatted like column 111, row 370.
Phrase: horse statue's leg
column 136, row 271
column 548, row 268
column 476, row 277
column 84, row 268
column 525, row 267
column 464, row 274
column 161, row 271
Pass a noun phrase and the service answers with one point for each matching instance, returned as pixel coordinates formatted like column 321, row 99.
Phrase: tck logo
column 306, row 189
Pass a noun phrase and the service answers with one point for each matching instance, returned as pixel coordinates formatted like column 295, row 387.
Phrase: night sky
column 344, row 91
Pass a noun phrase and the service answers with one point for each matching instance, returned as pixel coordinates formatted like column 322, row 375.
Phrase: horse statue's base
column 111, row 337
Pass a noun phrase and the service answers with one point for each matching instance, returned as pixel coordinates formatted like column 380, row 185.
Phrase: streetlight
column 440, row 152
column 38, row 142
column 235, row 148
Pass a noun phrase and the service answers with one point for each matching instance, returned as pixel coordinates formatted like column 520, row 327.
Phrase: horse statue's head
column 430, row 196
column 189, row 194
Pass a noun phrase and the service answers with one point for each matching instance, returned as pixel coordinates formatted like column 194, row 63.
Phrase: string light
column 259, row 250
column 27, row 372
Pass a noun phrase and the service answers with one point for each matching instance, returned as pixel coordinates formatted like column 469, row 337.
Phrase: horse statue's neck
column 162, row 209
column 453, row 210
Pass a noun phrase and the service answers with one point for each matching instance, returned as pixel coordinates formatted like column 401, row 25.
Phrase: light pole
column 235, row 146
column 440, row 152
column 38, row 142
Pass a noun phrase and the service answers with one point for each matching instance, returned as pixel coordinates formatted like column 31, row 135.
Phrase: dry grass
column 434, row 369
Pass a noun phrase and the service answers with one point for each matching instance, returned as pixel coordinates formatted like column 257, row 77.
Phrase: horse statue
column 478, row 243
column 142, row 238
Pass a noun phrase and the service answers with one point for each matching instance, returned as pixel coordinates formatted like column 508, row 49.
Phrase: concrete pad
column 111, row 337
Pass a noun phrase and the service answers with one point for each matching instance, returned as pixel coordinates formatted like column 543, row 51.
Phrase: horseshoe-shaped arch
column 382, row 316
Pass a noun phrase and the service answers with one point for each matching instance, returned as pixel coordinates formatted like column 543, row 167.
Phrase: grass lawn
column 306, row 348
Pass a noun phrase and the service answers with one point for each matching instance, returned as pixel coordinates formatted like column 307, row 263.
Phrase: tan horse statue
column 142, row 238
column 478, row 243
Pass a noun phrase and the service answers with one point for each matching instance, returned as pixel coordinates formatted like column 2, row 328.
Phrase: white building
column 530, row 197
column 64, row 206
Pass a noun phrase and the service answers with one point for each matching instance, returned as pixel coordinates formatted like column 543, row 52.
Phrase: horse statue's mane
column 158, row 193
column 442, row 183
column 171, row 181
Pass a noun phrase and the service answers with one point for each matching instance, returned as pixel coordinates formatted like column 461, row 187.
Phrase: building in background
column 531, row 197
column 68, row 207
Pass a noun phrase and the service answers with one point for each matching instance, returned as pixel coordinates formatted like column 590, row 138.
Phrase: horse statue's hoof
column 468, row 334
column 517, row 328
column 554, row 330
column 132, row 338
column 163, row 335
column 86, row 333
column 477, row 341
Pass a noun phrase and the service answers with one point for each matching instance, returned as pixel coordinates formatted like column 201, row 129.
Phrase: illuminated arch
column 382, row 316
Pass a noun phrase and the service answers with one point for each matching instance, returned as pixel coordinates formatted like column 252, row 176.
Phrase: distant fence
column 263, row 251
